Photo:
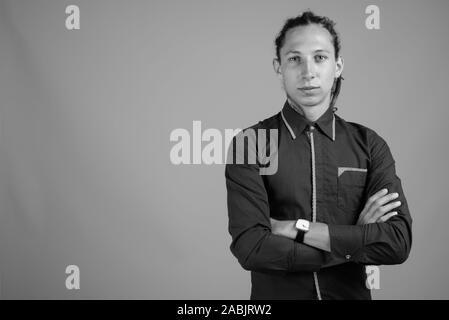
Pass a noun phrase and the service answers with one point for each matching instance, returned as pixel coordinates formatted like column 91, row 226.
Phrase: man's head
column 308, row 60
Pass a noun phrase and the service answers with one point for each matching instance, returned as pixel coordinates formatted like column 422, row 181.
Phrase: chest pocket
column 350, row 187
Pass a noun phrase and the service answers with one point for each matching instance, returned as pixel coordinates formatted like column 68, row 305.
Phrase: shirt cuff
column 306, row 258
column 346, row 242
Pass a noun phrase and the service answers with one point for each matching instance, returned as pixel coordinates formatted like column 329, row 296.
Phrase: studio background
column 85, row 123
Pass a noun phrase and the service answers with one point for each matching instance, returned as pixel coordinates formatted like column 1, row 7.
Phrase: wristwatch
column 302, row 226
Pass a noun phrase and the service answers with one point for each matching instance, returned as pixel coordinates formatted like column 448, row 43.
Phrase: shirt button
column 348, row 256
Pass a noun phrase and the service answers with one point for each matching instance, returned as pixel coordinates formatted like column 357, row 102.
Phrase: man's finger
column 387, row 216
column 367, row 208
column 383, row 200
column 374, row 197
column 383, row 210
column 390, row 206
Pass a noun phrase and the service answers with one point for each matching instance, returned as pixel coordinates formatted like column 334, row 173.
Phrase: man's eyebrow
column 293, row 51
column 299, row 52
column 322, row 50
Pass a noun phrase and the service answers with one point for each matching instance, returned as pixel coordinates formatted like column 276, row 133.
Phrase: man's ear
column 277, row 68
column 339, row 66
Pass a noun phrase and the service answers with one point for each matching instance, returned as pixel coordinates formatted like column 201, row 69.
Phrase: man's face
column 308, row 67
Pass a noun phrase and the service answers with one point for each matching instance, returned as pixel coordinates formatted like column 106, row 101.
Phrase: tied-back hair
column 304, row 19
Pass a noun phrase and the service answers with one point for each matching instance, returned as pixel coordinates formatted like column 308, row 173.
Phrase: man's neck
column 310, row 113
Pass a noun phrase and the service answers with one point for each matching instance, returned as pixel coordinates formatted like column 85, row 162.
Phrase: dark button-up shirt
column 325, row 179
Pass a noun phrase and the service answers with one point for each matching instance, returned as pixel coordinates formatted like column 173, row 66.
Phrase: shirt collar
column 296, row 123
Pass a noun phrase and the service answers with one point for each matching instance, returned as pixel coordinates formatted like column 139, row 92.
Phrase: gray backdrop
column 86, row 117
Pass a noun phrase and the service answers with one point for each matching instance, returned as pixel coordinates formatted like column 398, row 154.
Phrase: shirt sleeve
column 253, row 244
column 376, row 243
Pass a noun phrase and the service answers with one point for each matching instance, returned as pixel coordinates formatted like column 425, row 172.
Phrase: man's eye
column 320, row 58
column 293, row 59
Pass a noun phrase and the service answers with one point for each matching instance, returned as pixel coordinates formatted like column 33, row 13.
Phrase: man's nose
column 308, row 71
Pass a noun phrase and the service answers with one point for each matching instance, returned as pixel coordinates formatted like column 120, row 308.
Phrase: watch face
column 302, row 225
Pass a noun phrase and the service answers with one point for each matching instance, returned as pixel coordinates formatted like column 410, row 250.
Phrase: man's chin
column 309, row 102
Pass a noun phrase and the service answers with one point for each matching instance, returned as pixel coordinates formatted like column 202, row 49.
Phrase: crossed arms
column 382, row 234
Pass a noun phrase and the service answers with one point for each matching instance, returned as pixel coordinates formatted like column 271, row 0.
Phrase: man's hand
column 317, row 236
column 284, row 228
column 378, row 207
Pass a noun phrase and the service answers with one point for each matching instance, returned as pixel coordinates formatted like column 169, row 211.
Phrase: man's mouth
column 308, row 88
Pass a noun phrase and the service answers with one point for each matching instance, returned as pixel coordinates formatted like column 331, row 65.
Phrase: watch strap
column 300, row 236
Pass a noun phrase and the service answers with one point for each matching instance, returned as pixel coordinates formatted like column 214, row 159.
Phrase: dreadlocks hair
column 304, row 19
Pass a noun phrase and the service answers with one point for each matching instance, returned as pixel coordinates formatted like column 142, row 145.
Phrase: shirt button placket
column 312, row 147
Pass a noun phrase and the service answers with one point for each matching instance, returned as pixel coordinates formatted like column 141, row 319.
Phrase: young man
column 335, row 203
